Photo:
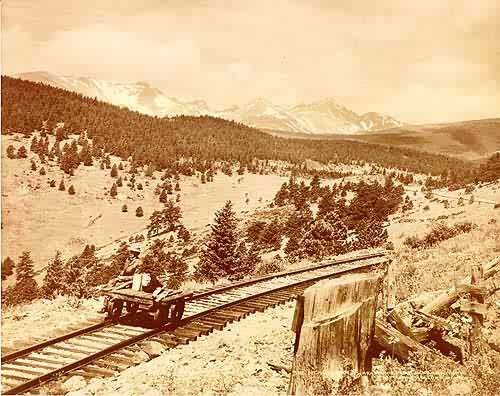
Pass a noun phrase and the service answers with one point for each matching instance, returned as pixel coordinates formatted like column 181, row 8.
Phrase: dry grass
column 421, row 270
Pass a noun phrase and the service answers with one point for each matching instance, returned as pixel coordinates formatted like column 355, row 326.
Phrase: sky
column 419, row 61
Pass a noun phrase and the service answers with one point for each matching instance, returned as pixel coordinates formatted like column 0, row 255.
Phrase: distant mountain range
column 321, row 117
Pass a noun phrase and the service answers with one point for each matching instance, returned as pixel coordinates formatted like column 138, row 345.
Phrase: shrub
column 439, row 233
column 426, row 207
column 71, row 190
column 139, row 212
column 276, row 264
column 124, row 208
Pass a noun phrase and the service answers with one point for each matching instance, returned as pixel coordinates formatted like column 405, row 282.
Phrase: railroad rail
column 105, row 348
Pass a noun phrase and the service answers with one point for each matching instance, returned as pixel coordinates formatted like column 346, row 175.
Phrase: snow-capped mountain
column 261, row 113
column 321, row 117
column 138, row 96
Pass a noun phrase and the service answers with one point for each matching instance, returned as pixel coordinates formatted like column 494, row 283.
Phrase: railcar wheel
column 131, row 307
column 178, row 311
column 116, row 311
column 160, row 316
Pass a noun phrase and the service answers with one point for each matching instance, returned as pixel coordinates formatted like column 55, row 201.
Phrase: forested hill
column 162, row 141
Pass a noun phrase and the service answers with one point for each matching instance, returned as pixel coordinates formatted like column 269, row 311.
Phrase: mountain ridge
column 323, row 116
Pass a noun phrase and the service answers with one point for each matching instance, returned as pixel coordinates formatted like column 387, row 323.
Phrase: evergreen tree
column 124, row 208
column 220, row 256
column 177, row 187
column 86, row 155
column 114, row 171
column 62, row 187
column 54, row 278
column 21, row 152
column 154, row 262
column 52, row 183
column 11, row 152
column 33, row 165
column 113, row 192
column 34, row 145
column 119, row 182
column 177, row 270
column 178, row 198
column 163, row 196
column 26, row 288
column 139, row 212
column 42, row 171
column 326, row 237
column 7, row 268
column 120, row 166
column 71, row 190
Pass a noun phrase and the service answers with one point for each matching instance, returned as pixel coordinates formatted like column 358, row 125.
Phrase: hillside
column 467, row 140
column 164, row 142
column 319, row 117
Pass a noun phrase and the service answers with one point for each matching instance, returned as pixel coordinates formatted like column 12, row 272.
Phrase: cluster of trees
column 338, row 226
column 186, row 144
column 79, row 275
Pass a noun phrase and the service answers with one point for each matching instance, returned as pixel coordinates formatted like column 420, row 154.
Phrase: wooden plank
column 395, row 343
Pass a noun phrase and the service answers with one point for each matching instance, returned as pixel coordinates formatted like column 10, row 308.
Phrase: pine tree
column 34, row 145
column 114, row 171
column 22, row 153
column 177, row 270
column 119, row 182
column 86, row 155
column 33, row 165
column 220, row 256
column 178, row 198
column 26, row 288
column 11, row 152
column 177, row 187
column 42, row 171
column 71, row 190
column 120, row 166
column 62, row 187
column 7, row 268
column 163, row 196
column 54, row 278
column 154, row 262
column 113, row 192
column 139, row 212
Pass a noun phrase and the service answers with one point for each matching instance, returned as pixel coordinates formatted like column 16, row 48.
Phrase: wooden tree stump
column 334, row 331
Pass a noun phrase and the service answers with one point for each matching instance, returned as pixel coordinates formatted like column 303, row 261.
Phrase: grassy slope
column 470, row 140
column 42, row 219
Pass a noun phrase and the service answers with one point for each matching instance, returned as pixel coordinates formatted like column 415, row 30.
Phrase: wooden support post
column 476, row 310
column 390, row 288
column 334, row 325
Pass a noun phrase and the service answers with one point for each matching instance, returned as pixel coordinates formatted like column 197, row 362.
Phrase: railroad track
column 106, row 348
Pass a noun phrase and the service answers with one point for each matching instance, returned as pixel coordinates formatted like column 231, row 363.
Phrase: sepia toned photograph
column 231, row 197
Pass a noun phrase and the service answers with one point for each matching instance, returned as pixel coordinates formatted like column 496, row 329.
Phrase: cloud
column 365, row 54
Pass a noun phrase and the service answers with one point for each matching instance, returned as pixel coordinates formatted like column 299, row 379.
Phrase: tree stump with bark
column 334, row 325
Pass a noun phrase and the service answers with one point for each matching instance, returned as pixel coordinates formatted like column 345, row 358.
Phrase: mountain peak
column 324, row 116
